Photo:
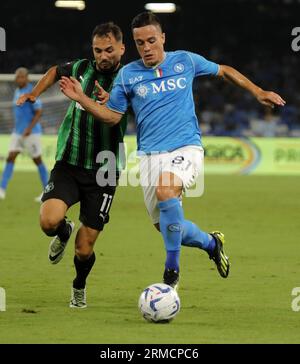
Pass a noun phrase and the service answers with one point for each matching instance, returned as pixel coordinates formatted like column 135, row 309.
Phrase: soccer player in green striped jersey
column 80, row 140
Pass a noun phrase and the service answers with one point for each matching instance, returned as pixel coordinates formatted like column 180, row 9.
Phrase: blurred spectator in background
column 267, row 125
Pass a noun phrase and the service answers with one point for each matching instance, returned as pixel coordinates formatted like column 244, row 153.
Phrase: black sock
column 63, row 230
column 83, row 268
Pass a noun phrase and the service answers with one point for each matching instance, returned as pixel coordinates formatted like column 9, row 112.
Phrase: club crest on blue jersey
column 179, row 68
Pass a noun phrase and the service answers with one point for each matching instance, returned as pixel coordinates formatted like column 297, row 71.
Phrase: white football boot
column 78, row 298
column 57, row 247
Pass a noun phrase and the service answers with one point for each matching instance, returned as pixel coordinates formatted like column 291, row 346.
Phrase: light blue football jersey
column 25, row 113
column 162, row 100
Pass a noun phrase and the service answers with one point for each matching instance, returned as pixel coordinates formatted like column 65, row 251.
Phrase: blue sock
column 171, row 225
column 172, row 261
column 7, row 173
column 194, row 237
column 43, row 174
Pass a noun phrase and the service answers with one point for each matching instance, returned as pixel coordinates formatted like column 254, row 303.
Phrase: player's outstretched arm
column 268, row 98
column 34, row 121
column 73, row 90
column 44, row 83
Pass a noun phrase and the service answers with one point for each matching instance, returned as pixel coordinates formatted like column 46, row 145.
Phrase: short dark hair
column 144, row 19
column 104, row 29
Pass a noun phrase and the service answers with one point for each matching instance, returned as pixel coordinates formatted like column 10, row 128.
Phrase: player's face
column 150, row 41
column 21, row 79
column 107, row 52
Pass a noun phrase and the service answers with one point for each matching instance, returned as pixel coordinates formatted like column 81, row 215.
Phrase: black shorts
column 73, row 184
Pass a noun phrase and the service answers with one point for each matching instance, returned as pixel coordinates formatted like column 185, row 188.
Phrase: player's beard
column 106, row 67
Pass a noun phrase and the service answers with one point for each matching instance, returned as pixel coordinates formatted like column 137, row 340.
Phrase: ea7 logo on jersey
column 135, row 79
column 169, row 85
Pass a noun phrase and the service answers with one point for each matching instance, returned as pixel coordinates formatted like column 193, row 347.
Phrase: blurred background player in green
column 80, row 140
column 26, row 135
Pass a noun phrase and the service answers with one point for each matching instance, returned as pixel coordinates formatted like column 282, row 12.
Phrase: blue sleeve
column 37, row 105
column 118, row 100
column 202, row 66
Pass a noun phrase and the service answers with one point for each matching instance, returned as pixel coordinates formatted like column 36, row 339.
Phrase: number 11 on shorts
column 106, row 203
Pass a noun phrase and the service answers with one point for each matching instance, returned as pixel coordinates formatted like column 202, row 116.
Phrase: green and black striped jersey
column 80, row 136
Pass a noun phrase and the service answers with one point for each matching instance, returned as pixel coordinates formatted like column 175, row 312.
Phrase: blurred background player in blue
column 26, row 134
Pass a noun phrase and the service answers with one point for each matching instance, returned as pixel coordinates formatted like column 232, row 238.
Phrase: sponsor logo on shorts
column 49, row 187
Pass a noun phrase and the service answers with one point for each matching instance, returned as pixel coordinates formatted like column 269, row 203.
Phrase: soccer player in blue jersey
column 26, row 134
column 158, row 87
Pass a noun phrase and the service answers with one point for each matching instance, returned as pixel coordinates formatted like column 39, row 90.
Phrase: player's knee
column 84, row 243
column 161, row 193
column 37, row 160
column 11, row 158
column 49, row 224
column 164, row 193
column 84, row 251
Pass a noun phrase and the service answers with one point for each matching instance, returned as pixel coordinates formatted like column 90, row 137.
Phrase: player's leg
column 171, row 220
column 7, row 173
column 14, row 149
column 84, row 260
column 52, row 214
column 43, row 173
column 54, row 223
column 155, row 193
column 33, row 145
column 95, row 205
column 60, row 193
column 192, row 235
column 187, row 165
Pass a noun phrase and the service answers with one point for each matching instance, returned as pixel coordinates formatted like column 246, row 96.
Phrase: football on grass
column 159, row 303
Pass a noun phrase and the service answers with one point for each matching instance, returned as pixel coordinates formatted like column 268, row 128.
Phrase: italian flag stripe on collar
column 158, row 72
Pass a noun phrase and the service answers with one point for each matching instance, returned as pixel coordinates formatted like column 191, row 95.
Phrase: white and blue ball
column 159, row 303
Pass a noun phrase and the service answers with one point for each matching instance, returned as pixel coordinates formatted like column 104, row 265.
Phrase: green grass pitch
column 260, row 219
